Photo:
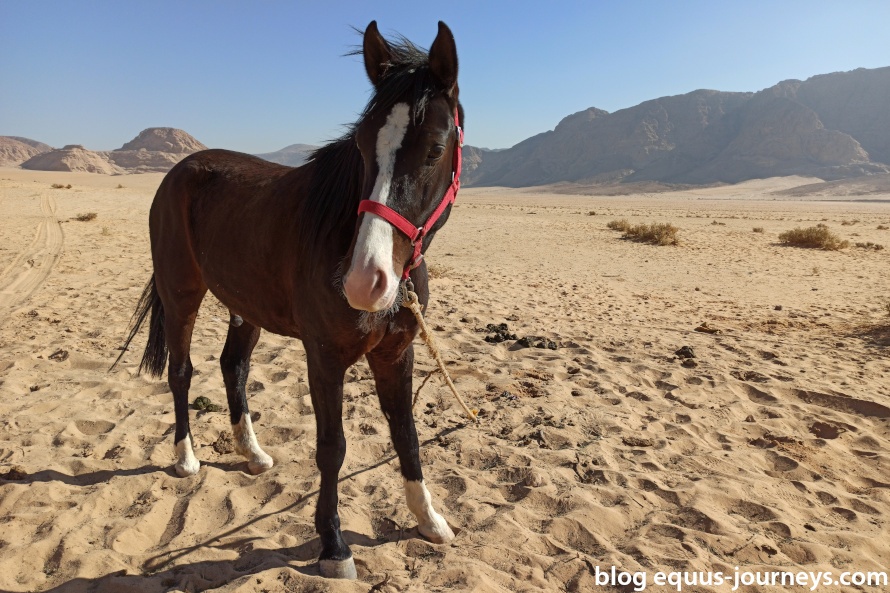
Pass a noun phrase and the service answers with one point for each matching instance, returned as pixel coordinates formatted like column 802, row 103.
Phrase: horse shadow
column 159, row 573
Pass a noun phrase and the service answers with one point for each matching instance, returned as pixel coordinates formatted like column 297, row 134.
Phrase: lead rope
column 409, row 299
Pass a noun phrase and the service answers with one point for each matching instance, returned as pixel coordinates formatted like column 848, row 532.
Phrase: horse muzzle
column 370, row 288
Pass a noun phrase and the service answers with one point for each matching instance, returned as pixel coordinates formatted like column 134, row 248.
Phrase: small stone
column 689, row 363
column 778, row 307
column 685, row 352
column 750, row 418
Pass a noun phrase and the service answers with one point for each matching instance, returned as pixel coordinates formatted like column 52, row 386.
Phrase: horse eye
column 436, row 152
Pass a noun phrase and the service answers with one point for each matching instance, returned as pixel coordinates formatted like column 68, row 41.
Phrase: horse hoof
column 337, row 569
column 187, row 468
column 260, row 464
column 437, row 532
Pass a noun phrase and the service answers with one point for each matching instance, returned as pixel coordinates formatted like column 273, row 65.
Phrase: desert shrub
column 86, row 217
column 119, row 186
column 882, row 227
column 619, row 225
column 870, row 245
column 60, row 186
column 849, row 222
column 715, row 223
column 758, row 229
column 815, row 237
column 437, row 270
column 657, row 233
column 591, row 213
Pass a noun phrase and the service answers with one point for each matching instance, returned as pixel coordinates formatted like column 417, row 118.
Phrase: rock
column 15, row 151
column 685, row 352
column 830, row 126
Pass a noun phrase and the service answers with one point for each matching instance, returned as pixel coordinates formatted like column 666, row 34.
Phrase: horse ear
column 443, row 59
column 376, row 52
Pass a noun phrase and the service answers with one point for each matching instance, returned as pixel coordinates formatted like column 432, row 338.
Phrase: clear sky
column 256, row 76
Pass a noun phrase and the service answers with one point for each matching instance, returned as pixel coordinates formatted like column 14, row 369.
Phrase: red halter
column 416, row 234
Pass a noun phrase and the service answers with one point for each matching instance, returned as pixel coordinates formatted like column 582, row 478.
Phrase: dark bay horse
column 292, row 251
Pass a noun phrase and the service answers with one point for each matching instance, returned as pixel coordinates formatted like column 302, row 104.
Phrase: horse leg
column 235, row 364
column 326, row 390
column 392, row 368
column 179, row 321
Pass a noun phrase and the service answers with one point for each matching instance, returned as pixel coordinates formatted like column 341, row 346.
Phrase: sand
column 771, row 453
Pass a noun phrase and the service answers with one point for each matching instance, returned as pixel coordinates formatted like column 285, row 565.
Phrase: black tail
column 154, row 359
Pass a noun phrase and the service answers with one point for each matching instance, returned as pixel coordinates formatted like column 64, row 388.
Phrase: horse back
column 227, row 218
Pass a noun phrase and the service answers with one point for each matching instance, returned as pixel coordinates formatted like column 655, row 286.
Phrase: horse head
column 409, row 137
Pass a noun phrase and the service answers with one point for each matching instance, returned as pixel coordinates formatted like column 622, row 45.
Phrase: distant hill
column 831, row 126
column 72, row 157
column 15, row 150
column 292, row 156
column 153, row 150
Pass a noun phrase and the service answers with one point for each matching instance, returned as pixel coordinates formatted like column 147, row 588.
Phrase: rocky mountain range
column 831, row 126
column 154, row 149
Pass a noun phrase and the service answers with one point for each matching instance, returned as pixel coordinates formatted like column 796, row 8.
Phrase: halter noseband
column 416, row 234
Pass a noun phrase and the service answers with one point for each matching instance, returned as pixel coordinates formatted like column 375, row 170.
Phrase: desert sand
column 770, row 454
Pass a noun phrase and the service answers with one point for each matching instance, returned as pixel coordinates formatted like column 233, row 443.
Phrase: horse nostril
column 380, row 285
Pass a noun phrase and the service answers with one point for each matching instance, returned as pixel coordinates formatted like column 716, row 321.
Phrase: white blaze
column 374, row 244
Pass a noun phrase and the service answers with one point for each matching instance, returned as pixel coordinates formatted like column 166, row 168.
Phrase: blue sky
column 257, row 76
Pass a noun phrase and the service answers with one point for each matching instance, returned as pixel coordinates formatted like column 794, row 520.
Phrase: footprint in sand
column 94, row 427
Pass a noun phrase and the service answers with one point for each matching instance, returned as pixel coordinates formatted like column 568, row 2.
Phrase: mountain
column 169, row 140
column 15, row 150
column 72, row 157
column 292, row 156
column 153, row 150
column 831, row 126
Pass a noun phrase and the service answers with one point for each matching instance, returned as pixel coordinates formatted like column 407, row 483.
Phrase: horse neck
column 329, row 211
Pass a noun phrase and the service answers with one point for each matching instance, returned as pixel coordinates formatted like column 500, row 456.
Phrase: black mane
column 336, row 185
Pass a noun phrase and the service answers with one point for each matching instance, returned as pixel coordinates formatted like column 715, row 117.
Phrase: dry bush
column 758, row 229
column 657, row 233
column 882, row 227
column 86, row 217
column 619, row 225
column 870, row 245
column 715, row 223
column 849, row 222
column 106, row 231
column 119, row 186
column 60, row 186
column 591, row 213
column 815, row 237
column 437, row 270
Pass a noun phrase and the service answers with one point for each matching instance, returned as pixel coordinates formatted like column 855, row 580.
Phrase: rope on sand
column 411, row 301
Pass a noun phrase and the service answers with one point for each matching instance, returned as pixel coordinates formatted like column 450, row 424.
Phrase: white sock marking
column 186, row 462
column 375, row 236
column 430, row 524
column 246, row 444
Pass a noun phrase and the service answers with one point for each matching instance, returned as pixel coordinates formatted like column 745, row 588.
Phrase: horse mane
column 336, row 185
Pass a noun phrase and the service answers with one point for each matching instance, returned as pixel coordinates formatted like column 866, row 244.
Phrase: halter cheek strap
column 414, row 233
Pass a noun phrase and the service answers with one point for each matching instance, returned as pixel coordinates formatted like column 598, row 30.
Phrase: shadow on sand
column 159, row 574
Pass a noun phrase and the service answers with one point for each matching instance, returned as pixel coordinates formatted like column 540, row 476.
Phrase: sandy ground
column 770, row 454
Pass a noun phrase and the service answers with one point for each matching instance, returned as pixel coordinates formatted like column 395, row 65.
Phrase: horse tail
column 154, row 359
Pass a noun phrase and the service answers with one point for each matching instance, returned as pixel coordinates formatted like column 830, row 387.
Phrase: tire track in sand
column 32, row 266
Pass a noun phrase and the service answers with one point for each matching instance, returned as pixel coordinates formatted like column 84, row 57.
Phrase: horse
column 323, row 253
